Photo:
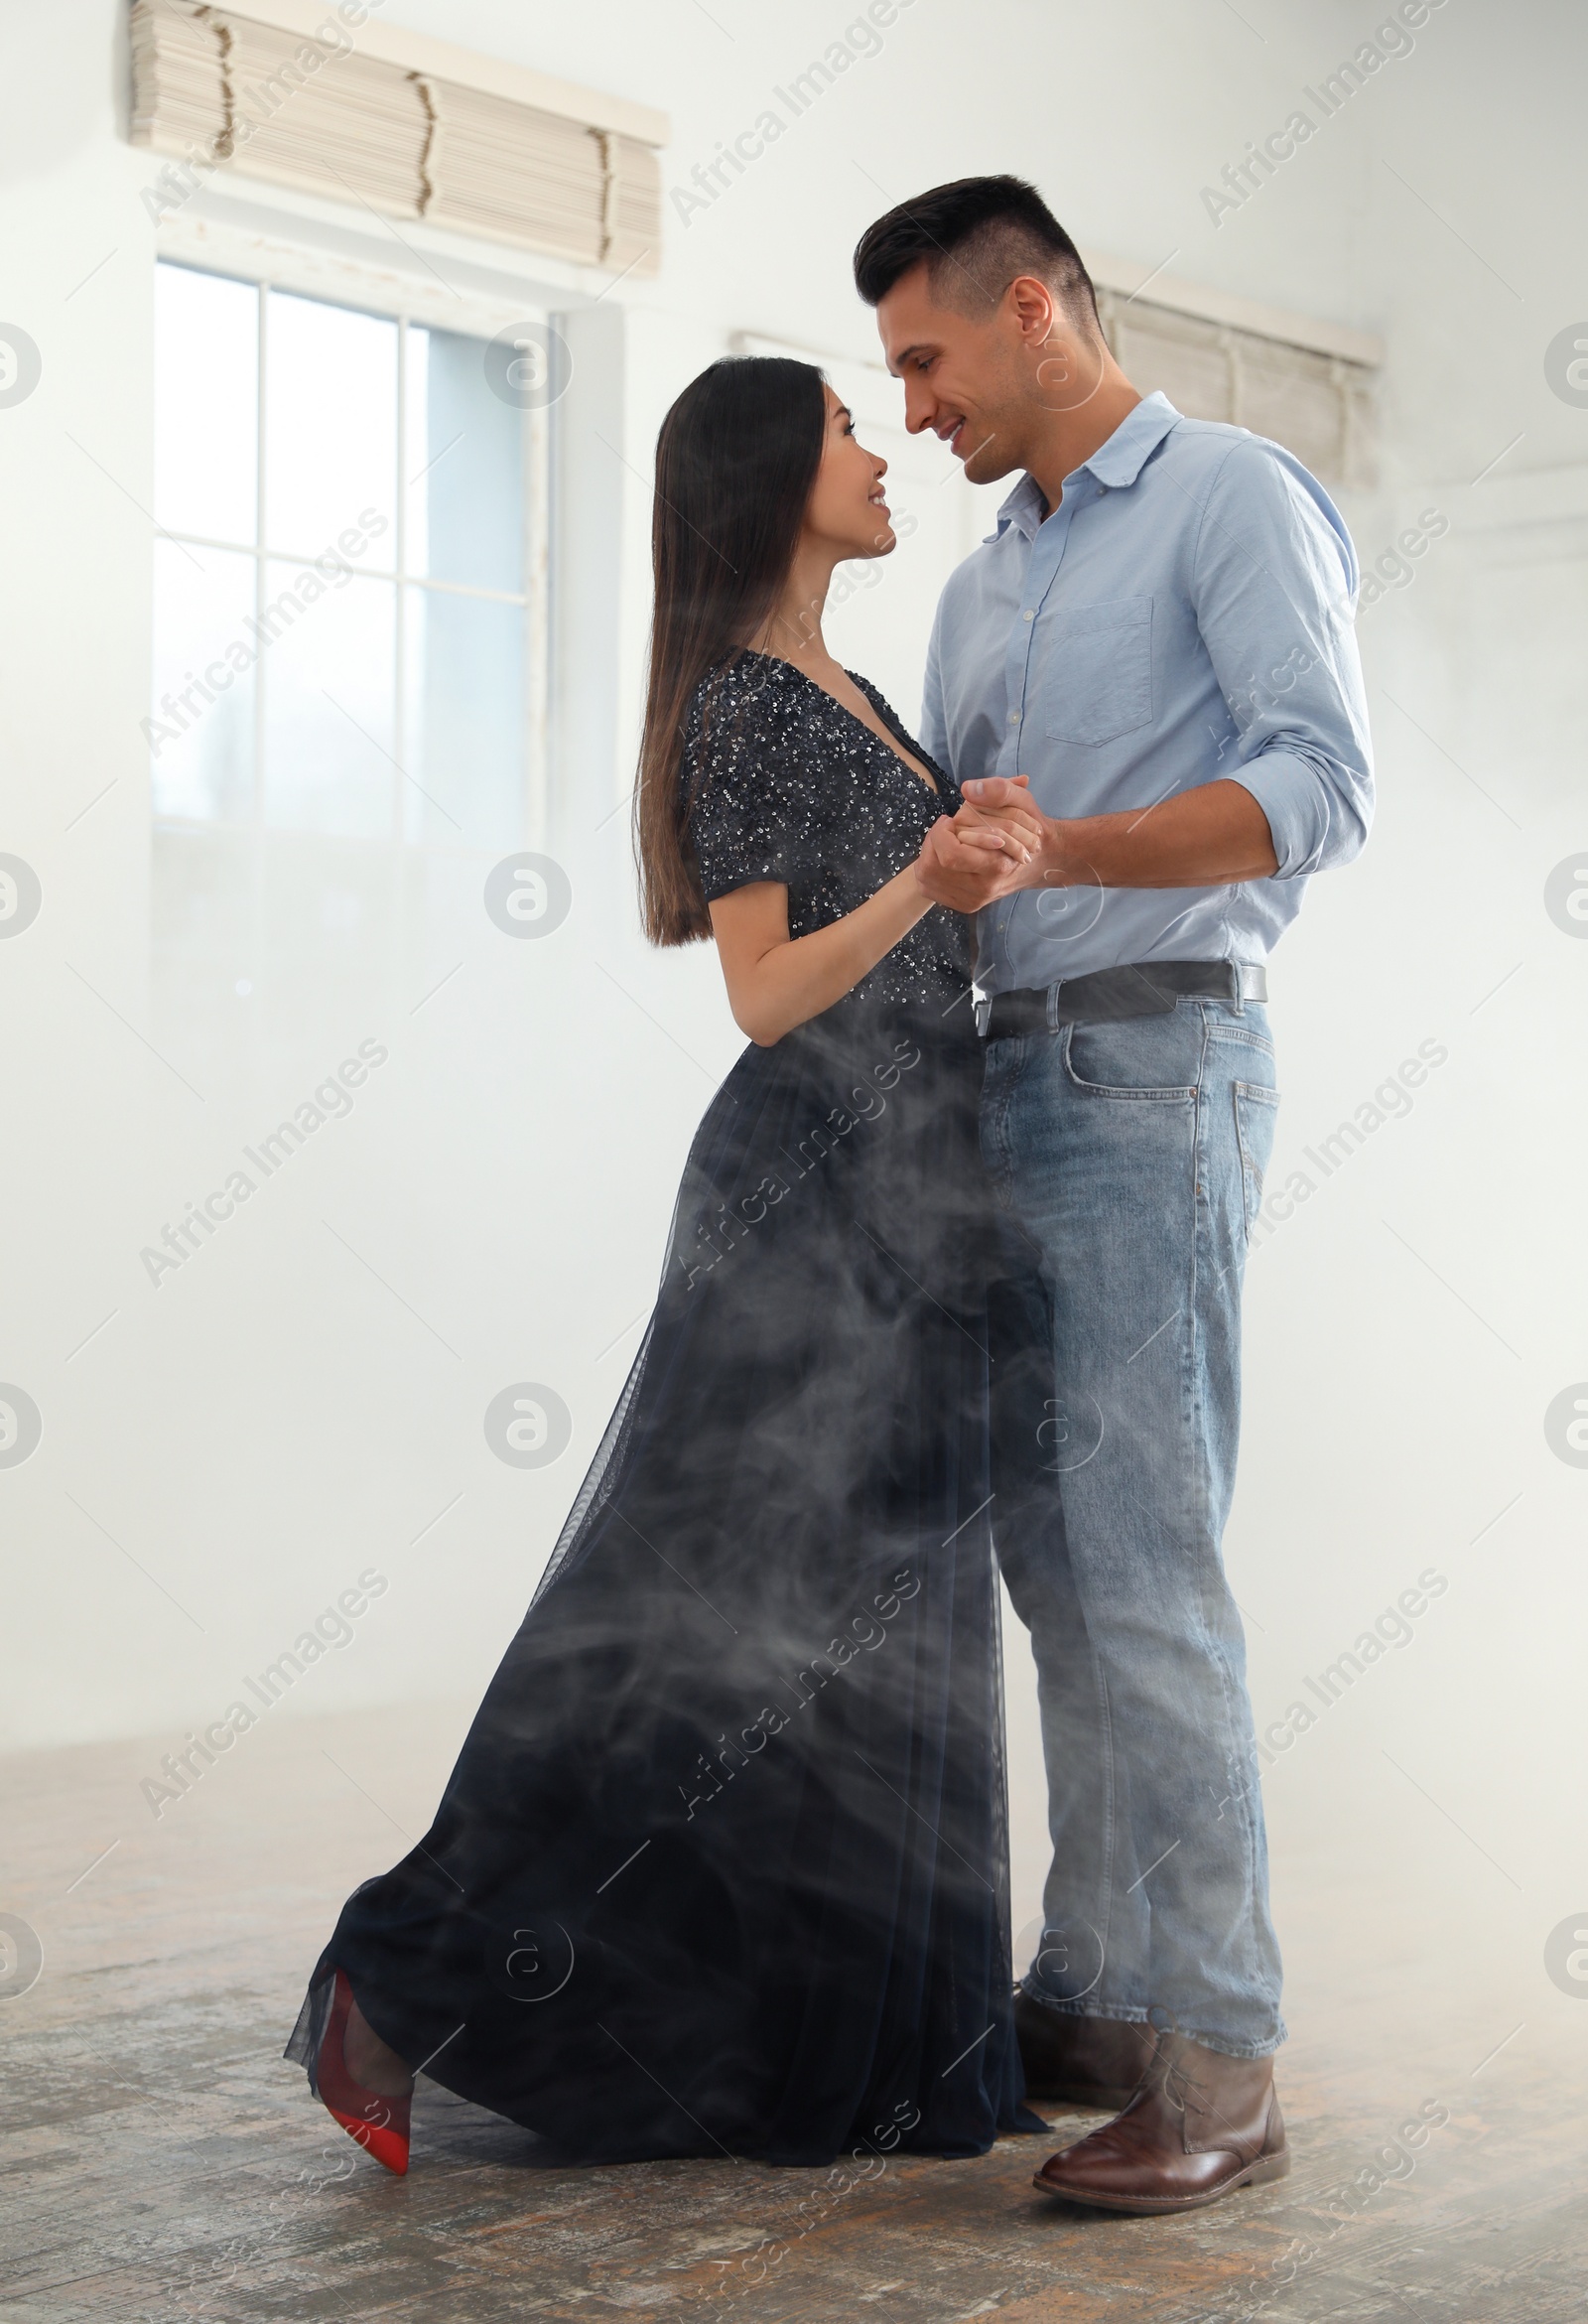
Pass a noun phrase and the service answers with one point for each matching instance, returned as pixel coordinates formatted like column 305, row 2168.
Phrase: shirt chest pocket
column 1096, row 670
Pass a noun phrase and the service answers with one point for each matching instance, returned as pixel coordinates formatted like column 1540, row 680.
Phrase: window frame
column 388, row 298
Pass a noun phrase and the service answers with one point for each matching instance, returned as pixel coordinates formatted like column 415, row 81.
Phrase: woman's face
column 847, row 509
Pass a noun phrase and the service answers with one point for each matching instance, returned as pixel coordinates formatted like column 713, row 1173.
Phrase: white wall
column 272, row 1418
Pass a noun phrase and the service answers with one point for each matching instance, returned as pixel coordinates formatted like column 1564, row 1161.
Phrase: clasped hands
column 998, row 841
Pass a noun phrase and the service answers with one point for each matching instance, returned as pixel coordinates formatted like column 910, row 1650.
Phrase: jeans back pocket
column 1255, row 1109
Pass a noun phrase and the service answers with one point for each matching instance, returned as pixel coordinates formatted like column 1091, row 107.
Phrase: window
column 347, row 601
column 1317, row 405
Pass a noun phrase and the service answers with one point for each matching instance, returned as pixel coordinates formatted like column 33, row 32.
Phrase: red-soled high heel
column 378, row 2125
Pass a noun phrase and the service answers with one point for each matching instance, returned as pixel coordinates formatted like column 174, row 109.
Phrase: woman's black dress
column 722, row 1867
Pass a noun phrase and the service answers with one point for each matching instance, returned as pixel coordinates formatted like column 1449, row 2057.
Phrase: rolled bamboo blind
column 220, row 89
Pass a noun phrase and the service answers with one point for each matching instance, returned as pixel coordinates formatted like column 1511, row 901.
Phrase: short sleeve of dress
column 748, row 780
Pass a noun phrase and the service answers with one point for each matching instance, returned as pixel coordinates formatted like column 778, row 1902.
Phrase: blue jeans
column 1133, row 1155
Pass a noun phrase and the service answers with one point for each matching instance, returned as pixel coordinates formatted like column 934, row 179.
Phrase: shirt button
column 1030, row 616
column 1014, row 718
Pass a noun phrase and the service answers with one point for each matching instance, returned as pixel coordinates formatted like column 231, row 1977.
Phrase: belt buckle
column 982, row 1010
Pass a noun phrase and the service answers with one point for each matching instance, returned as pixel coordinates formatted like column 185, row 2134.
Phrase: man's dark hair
column 975, row 236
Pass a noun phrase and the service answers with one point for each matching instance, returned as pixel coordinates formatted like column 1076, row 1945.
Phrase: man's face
column 966, row 378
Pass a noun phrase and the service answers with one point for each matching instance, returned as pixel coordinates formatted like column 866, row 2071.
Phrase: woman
column 722, row 1869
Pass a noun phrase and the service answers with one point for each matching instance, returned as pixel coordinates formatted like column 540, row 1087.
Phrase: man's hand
column 1212, row 837
column 965, row 863
column 985, row 850
column 1000, row 841
column 1004, row 804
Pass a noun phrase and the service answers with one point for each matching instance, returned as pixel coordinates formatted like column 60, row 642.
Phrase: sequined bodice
column 784, row 783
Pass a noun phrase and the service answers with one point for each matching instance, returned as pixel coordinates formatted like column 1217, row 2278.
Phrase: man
column 1157, row 641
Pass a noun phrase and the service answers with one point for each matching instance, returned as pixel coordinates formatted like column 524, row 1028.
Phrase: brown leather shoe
column 1089, row 2061
column 1200, row 2125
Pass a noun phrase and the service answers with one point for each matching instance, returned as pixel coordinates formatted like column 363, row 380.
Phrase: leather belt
column 1145, row 988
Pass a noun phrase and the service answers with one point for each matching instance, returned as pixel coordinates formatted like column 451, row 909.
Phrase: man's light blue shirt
column 1184, row 615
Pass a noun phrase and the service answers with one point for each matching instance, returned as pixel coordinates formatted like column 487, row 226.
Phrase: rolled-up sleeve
column 1273, row 587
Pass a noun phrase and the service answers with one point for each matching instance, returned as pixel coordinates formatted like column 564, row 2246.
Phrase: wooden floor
column 160, row 2161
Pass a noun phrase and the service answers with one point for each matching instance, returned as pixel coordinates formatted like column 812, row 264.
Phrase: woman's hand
column 993, row 845
column 1004, row 804
column 970, row 860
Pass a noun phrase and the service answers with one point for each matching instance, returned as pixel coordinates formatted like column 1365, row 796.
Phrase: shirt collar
column 1118, row 461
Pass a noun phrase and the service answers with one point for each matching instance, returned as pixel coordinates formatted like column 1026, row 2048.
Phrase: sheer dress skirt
column 722, row 1865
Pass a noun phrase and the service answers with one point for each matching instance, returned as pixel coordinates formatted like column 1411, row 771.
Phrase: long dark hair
column 736, row 462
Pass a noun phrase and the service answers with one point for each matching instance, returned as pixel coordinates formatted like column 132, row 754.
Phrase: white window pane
column 418, row 453
column 207, row 401
column 464, row 466
column 464, row 720
column 202, row 749
column 330, row 688
column 331, row 422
